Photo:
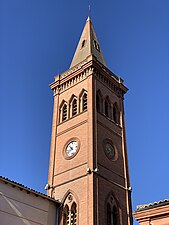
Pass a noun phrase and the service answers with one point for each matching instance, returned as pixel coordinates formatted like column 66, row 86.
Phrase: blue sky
column 37, row 41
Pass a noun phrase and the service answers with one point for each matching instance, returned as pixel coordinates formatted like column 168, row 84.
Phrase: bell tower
column 88, row 170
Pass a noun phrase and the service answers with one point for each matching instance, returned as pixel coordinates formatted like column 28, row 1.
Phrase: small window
column 84, row 102
column 83, row 43
column 64, row 114
column 74, row 107
column 96, row 45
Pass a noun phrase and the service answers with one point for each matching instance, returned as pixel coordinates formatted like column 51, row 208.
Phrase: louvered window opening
column 74, row 107
column 64, row 117
column 84, row 102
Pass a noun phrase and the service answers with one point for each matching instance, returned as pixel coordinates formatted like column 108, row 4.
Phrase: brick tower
column 88, row 168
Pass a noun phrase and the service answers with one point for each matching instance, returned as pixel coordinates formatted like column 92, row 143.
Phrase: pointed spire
column 88, row 45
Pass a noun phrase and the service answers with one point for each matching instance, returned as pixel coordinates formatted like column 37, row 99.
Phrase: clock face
column 71, row 148
column 110, row 151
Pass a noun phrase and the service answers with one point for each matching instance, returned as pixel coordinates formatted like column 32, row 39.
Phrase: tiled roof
column 152, row 205
column 29, row 190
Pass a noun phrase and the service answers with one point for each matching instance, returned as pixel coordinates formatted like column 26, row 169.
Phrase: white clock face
column 71, row 148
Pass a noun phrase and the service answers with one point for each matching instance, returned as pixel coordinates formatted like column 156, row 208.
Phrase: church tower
column 88, row 169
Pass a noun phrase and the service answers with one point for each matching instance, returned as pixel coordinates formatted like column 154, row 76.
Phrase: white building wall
column 22, row 207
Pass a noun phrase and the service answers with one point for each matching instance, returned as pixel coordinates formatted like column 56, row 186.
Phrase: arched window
column 64, row 112
column 99, row 102
column 83, row 43
column 74, row 107
column 73, row 214
column 65, row 215
column 70, row 211
column 108, row 214
column 84, row 102
column 113, row 216
column 116, row 114
column 107, row 107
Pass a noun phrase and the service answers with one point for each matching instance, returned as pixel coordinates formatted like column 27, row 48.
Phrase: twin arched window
column 106, row 108
column 70, row 215
column 70, row 211
column 76, row 105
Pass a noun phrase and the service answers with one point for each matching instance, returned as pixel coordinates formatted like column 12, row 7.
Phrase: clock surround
column 74, row 144
column 110, row 150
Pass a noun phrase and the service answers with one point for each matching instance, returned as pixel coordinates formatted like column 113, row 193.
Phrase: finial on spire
column 89, row 12
column 88, row 18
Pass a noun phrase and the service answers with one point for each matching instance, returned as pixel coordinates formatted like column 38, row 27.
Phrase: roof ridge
column 7, row 180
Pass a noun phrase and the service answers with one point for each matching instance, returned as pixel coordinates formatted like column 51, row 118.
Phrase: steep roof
column 88, row 45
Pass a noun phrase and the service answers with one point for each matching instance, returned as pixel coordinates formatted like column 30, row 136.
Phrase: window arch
column 107, row 107
column 73, row 110
column 99, row 102
column 70, row 210
column 74, row 107
column 63, row 111
column 112, row 211
column 83, row 100
column 116, row 114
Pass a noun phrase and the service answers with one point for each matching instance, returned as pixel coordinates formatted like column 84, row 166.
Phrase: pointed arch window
column 116, row 114
column 109, row 214
column 74, row 107
column 107, row 107
column 83, row 43
column 64, row 112
column 99, row 102
column 70, row 211
column 66, row 215
column 113, row 215
column 84, row 102
column 96, row 45
column 73, row 214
